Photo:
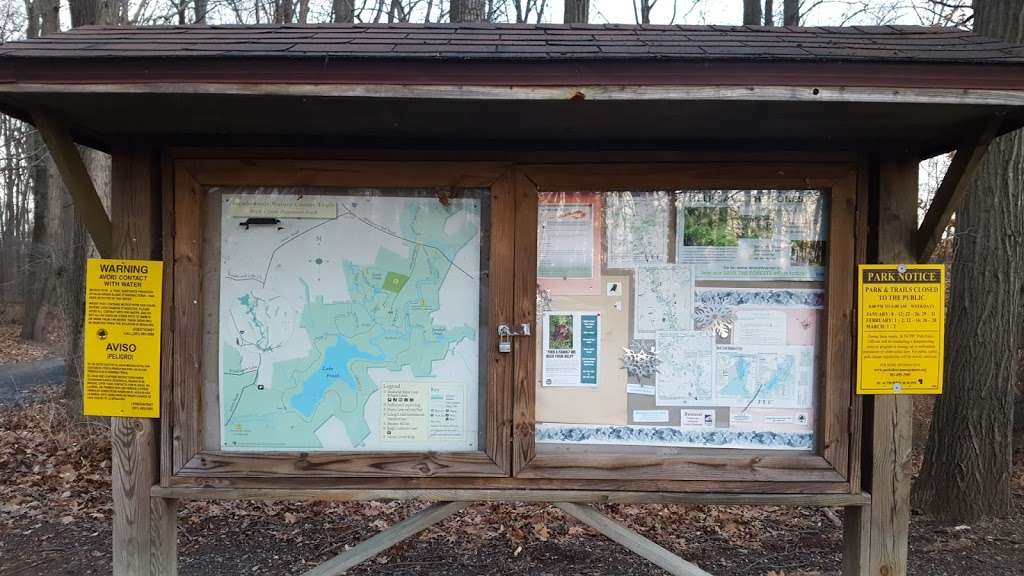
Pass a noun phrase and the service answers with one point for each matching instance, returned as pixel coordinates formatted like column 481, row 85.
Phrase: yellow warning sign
column 122, row 338
column 900, row 328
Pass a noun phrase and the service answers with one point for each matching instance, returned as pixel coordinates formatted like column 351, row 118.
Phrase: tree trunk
column 44, row 19
column 752, row 12
column 202, row 7
column 968, row 458
column 791, row 13
column 344, row 11
column 769, row 13
column 468, row 11
column 577, row 11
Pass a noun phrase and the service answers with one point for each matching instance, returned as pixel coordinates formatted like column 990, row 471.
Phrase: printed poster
column 753, row 234
column 636, row 228
column 569, row 243
column 900, row 329
column 571, row 348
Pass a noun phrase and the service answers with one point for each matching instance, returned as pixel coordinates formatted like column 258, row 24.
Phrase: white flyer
column 686, row 363
column 636, row 228
column 759, row 326
column 664, row 299
column 565, row 242
column 753, row 234
column 571, row 347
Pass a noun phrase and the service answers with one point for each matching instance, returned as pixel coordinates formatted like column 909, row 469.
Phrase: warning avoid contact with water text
column 122, row 338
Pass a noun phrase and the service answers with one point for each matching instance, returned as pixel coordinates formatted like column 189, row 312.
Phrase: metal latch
column 506, row 333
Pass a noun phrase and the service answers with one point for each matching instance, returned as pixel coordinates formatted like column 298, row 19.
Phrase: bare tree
column 468, row 11
column 752, row 12
column 344, row 11
column 642, row 11
column 769, row 13
column 791, row 13
column 969, row 456
column 577, row 11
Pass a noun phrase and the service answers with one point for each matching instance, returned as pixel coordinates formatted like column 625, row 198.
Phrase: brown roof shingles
column 537, row 42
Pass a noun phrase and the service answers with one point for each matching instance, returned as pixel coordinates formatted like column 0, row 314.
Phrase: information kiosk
column 566, row 264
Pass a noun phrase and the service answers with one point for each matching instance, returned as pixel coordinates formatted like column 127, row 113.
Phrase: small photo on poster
column 571, row 348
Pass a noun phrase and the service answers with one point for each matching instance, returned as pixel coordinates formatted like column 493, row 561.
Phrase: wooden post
column 145, row 539
column 876, row 536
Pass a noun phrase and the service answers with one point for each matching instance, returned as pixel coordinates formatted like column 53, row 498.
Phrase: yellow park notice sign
column 122, row 338
column 900, row 328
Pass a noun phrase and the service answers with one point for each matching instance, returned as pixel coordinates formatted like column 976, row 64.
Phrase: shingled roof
column 523, row 42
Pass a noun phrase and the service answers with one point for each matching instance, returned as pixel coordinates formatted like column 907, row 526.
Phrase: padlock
column 505, row 346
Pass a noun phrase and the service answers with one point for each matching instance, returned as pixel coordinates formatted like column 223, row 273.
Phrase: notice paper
column 565, row 241
column 571, row 348
column 900, row 329
column 122, row 338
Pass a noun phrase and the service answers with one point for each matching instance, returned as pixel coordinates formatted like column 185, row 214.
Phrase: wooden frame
column 183, row 455
column 507, row 462
column 830, row 464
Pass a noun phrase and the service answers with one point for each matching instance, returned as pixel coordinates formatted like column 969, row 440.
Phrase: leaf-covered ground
column 55, row 520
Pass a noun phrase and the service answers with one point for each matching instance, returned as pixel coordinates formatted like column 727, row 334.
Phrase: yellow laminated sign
column 122, row 338
column 900, row 328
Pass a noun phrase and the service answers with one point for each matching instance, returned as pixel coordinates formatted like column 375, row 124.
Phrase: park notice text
column 900, row 328
column 122, row 338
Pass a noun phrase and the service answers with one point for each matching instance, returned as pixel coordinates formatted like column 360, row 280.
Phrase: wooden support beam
column 643, row 547
column 76, row 179
column 954, row 186
column 375, row 545
column 510, row 495
column 144, row 539
column 876, row 536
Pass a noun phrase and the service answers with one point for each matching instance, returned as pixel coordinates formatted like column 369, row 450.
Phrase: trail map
column 347, row 321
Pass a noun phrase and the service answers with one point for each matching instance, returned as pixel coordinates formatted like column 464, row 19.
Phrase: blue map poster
column 344, row 323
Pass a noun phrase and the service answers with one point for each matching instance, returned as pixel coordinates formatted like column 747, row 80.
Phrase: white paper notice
column 650, row 415
column 664, row 299
column 641, row 389
column 565, row 243
column 685, row 369
column 697, row 418
column 404, row 414
column 765, row 327
column 636, row 228
column 571, row 348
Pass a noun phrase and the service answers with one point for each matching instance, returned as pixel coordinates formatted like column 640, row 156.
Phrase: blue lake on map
column 334, row 367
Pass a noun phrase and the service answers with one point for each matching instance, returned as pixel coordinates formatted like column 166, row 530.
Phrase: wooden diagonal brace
column 77, row 180
column 375, row 545
column 954, row 186
column 638, row 544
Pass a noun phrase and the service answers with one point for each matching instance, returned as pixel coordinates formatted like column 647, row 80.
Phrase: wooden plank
column 389, row 537
column 496, row 482
column 500, row 366
column 76, row 179
column 143, row 527
column 834, row 422
column 539, row 93
column 368, row 465
column 187, row 323
column 954, row 186
column 513, row 495
column 525, row 393
column 167, row 326
column 668, row 561
column 887, row 526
